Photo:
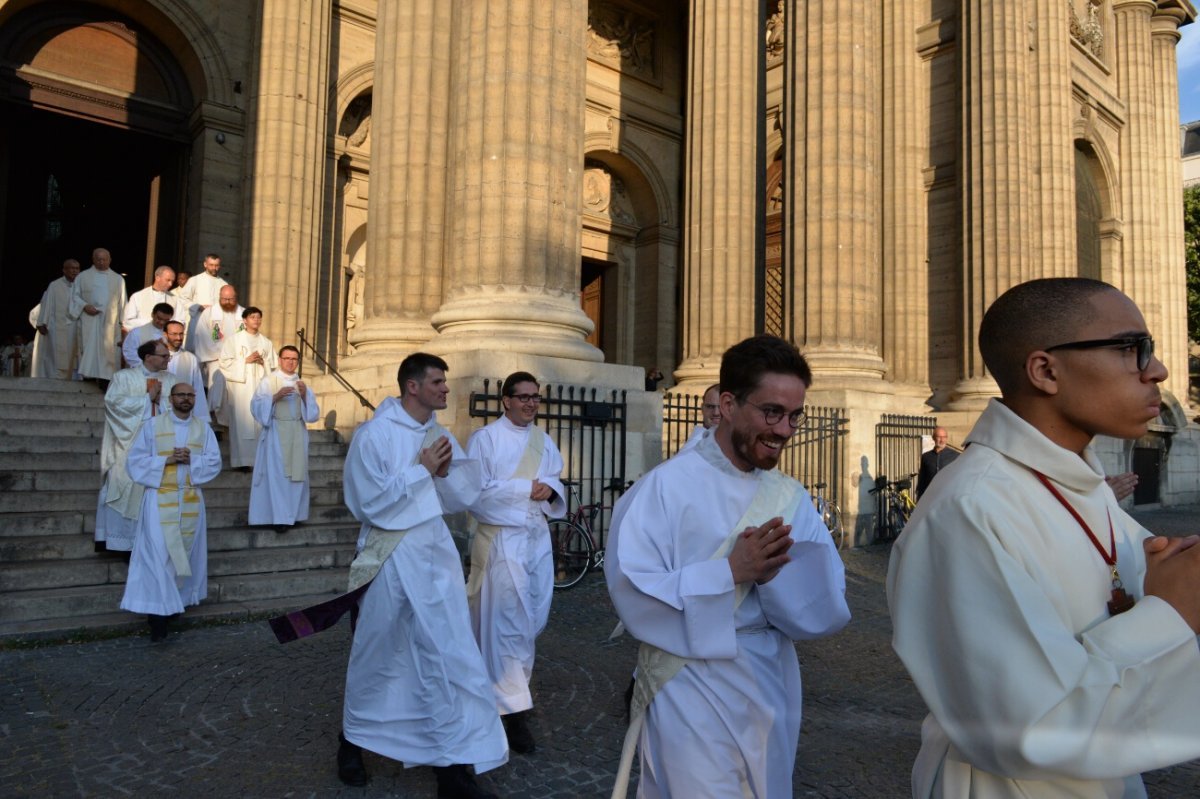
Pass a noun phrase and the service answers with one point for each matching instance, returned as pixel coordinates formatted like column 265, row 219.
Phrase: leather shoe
column 455, row 782
column 520, row 737
column 351, row 770
column 159, row 627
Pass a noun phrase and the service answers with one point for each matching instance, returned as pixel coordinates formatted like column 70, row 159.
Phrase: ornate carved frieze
column 1084, row 19
column 622, row 38
column 775, row 35
column 604, row 195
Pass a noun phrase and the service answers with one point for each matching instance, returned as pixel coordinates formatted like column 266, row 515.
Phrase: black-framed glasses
column 1144, row 345
column 526, row 399
column 772, row 415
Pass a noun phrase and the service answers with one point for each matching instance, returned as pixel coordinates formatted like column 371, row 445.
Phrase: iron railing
column 588, row 427
column 898, row 442
column 333, row 371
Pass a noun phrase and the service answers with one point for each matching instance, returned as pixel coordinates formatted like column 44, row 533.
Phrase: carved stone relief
column 775, row 35
column 604, row 195
column 622, row 38
column 1084, row 19
column 356, row 124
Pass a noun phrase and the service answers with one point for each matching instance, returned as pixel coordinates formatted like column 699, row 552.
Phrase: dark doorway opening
column 71, row 186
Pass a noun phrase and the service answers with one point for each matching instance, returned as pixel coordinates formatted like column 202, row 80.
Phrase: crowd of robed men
column 1053, row 639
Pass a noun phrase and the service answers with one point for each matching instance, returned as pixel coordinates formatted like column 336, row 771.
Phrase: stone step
column 50, row 428
column 82, row 463
column 252, row 587
column 60, row 603
column 39, row 385
column 44, row 411
column 18, row 441
column 49, row 399
column 230, row 497
column 76, row 479
column 74, row 522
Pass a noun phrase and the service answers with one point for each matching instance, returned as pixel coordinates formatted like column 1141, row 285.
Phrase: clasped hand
column 436, row 457
column 540, row 492
column 760, row 552
column 180, row 455
column 1173, row 575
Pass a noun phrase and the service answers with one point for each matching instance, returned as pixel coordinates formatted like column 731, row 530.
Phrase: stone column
column 406, row 215
column 831, row 181
column 514, row 216
column 994, row 174
column 290, row 102
column 1172, row 334
column 1054, row 196
column 722, row 200
column 905, row 271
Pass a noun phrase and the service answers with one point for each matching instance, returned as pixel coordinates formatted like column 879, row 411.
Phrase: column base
column 516, row 320
column 973, row 394
column 389, row 337
column 847, row 368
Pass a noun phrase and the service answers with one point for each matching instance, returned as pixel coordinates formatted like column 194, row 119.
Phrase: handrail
column 366, row 403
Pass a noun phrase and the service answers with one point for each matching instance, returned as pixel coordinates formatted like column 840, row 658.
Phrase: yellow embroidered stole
column 777, row 495
column 481, row 542
column 289, row 427
column 178, row 506
column 381, row 543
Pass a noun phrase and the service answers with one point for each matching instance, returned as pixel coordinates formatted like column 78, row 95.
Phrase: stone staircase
column 51, row 579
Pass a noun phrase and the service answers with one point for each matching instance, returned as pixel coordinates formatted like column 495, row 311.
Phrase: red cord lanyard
column 1120, row 601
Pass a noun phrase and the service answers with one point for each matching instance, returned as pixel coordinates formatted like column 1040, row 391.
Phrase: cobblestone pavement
column 226, row 712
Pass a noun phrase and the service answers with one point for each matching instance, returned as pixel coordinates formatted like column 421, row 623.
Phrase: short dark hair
column 416, row 365
column 149, row 347
column 163, row 307
column 744, row 364
column 172, row 322
column 252, row 309
column 511, row 381
column 1032, row 316
column 287, row 347
column 213, row 256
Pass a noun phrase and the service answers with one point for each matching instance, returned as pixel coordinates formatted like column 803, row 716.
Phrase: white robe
column 697, row 433
column 136, row 338
column 141, row 303
column 241, row 380
column 152, row 585
column 60, row 347
column 126, row 407
column 512, row 607
column 186, row 369
column 416, row 687
column 998, row 603
column 201, row 290
column 274, row 498
column 99, row 335
column 727, row 725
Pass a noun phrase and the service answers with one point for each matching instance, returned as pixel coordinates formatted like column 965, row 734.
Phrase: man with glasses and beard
column 512, row 568
column 717, row 562
column 172, row 456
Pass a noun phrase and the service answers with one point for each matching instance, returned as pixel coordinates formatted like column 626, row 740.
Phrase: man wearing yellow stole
column 172, row 456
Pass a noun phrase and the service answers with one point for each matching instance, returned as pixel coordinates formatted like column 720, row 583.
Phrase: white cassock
column 416, row 687
column 201, row 290
column 126, row 407
column 279, row 490
column 727, row 724
column 697, row 433
column 60, row 347
column 511, row 603
column 205, row 338
column 241, row 380
column 186, row 369
column 41, row 359
column 136, row 338
column 154, row 585
column 141, row 303
column 999, row 612
column 99, row 335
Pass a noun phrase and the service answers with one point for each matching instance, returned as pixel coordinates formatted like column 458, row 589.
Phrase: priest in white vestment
column 57, row 354
column 512, row 567
column 416, row 688
column 185, row 367
column 717, row 563
column 141, row 304
column 133, row 396
column 1051, row 636
column 200, row 293
column 246, row 358
column 284, row 406
column 207, row 336
column 710, row 414
column 98, row 305
column 151, row 331
column 171, row 457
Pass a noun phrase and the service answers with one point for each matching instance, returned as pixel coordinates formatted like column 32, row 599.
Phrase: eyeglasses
column 772, row 415
column 711, row 407
column 526, row 399
column 183, row 396
column 1144, row 345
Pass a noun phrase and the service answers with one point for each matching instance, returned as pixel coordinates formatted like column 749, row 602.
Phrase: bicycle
column 830, row 513
column 573, row 538
column 895, row 505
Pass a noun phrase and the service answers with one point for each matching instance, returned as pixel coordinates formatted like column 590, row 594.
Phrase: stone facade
column 590, row 189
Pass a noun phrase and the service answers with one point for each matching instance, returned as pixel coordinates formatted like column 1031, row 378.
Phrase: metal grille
column 898, row 441
column 681, row 414
column 588, row 427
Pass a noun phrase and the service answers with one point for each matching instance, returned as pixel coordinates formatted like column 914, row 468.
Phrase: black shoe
column 159, row 627
column 350, row 763
column 455, row 782
column 520, row 737
column 629, row 699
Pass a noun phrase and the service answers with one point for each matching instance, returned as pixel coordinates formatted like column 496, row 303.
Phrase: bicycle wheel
column 895, row 518
column 833, row 520
column 572, row 549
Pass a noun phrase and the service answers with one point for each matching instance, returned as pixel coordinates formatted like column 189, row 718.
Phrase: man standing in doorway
column 98, row 303
column 60, row 331
column 512, row 566
column 141, row 304
column 151, row 331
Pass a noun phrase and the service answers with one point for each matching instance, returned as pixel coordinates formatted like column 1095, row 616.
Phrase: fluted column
column 406, row 215
column 994, row 174
column 1171, row 332
column 514, row 249
column 831, row 187
column 722, row 200
column 290, row 103
column 1054, row 198
column 905, row 272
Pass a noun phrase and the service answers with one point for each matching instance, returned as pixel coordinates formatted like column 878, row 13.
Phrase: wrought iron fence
column 898, row 442
column 816, row 454
column 588, row 427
